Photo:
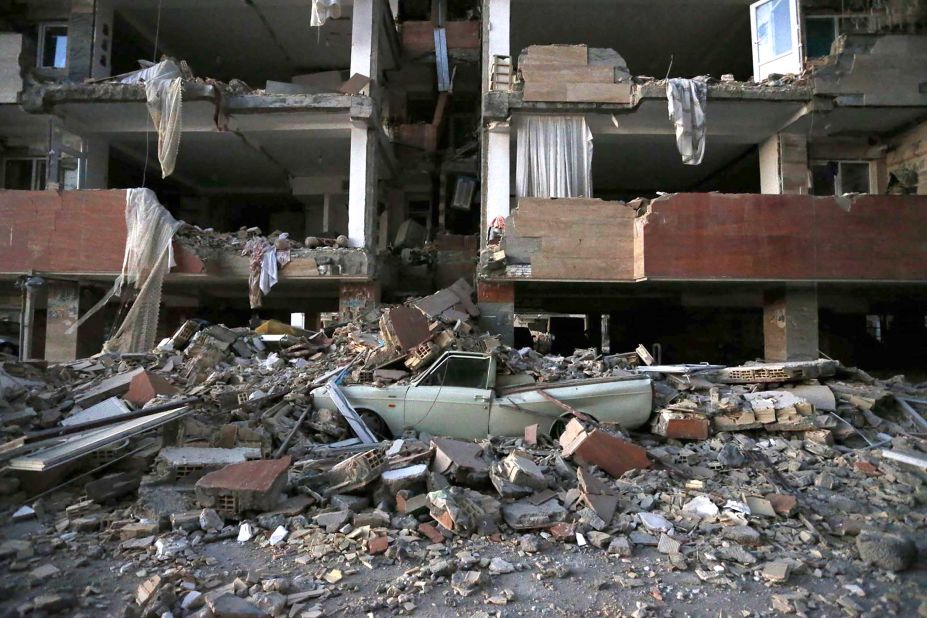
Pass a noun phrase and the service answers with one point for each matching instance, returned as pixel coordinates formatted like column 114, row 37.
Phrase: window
column 459, row 371
column 820, row 34
column 840, row 177
column 773, row 29
column 53, row 46
column 25, row 174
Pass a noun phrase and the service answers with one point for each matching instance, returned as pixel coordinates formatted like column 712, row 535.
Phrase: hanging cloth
column 149, row 256
column 323, row 10
column 554, row 157
column 687, row 99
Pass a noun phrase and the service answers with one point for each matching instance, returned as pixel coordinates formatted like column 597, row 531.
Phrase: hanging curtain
column 554, row 156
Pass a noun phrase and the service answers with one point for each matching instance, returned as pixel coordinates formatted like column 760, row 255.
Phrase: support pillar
column 355, row 299
column 63, row 311
column 497, row 309
column 790, row 323
column 497, row 174
column 362, row 187
column 784, row 164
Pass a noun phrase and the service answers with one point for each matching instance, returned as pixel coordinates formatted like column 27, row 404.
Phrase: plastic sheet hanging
column 164, row 94
column 323, row 10
column 687, row 99
column 554, row 156
column 149, row 256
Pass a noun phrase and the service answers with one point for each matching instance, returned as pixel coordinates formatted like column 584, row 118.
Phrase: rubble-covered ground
column 757, row 490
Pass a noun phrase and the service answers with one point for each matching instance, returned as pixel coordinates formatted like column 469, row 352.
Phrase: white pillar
column 363, row 39
column 362, row 186
column 498, row 173
column 496, row 20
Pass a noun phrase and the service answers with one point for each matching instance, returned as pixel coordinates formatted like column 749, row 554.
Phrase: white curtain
column 554, row 156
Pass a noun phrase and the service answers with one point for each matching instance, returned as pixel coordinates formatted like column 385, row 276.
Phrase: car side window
column 459, row 371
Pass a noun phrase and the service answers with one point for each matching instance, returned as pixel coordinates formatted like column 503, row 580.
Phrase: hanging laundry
column 323, row 10
column 687, row 99
column 163, row 93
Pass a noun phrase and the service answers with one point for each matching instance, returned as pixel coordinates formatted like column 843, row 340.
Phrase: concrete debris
column 736, row 481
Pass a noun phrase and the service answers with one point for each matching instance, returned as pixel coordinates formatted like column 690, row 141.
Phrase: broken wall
column 575, row 239
column 907, row 159
column 785, row 237
column 71, row 231
column 11, row 81
column 870, row 69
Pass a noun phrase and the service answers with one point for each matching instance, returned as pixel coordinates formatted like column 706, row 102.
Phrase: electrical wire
column 154, row 58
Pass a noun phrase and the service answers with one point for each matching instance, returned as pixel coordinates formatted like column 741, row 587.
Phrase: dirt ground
column 560, row 580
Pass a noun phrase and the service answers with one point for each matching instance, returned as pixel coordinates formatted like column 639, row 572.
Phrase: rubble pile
column 777, row 474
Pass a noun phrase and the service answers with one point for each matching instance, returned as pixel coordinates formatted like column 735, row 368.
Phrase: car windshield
column 459, row 371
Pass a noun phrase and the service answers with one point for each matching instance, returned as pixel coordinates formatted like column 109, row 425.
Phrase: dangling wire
column 154, row 58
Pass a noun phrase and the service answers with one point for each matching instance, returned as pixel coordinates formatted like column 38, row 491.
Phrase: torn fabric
column 323, row 10
column 687, row 99
column 163, row 93
column 149, row 256
column 554, row 157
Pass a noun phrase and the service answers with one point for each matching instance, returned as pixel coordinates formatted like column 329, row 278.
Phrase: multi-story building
column 778, row 214
column 799, row 230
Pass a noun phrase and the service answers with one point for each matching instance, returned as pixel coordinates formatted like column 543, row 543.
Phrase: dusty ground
column 560, row 580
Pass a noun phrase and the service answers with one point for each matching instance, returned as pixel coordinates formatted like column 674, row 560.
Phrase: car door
column 777, row 38
column 452, row 399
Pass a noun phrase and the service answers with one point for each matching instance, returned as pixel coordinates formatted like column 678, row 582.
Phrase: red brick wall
column 782, row 237
column 71, row 231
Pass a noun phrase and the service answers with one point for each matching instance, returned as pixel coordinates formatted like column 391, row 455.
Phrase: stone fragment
column 248, row 486
column 886, row 550
column 783, row 504
column 377, row 545
column 210, row 521
column 600, row 448
column 620, row 546
column 499, row 566
column 745, row 535
column 462, row 462
column 465, row 583
column 523, row 515
column 231, row 606
column 333, row 520
column 777, row 572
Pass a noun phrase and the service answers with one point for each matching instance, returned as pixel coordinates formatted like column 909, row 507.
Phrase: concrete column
column 497, row 309
column 365, row 39
column 790, row 323
column 497, row 175
column 63, row 311
column 354, row 299
column 496, row 33
column 80, row 40
column 95, row 174
column 784, row 164
column 362, row 187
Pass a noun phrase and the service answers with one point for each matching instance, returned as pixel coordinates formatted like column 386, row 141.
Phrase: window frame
column 37, row 181
column 838, row 179
column 40, row 47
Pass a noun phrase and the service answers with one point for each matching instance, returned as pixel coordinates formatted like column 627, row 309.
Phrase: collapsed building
column 396, row 143
column 490, row 272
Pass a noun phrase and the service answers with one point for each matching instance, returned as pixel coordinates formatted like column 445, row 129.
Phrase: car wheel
column 376, row 425
column 559, row 425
